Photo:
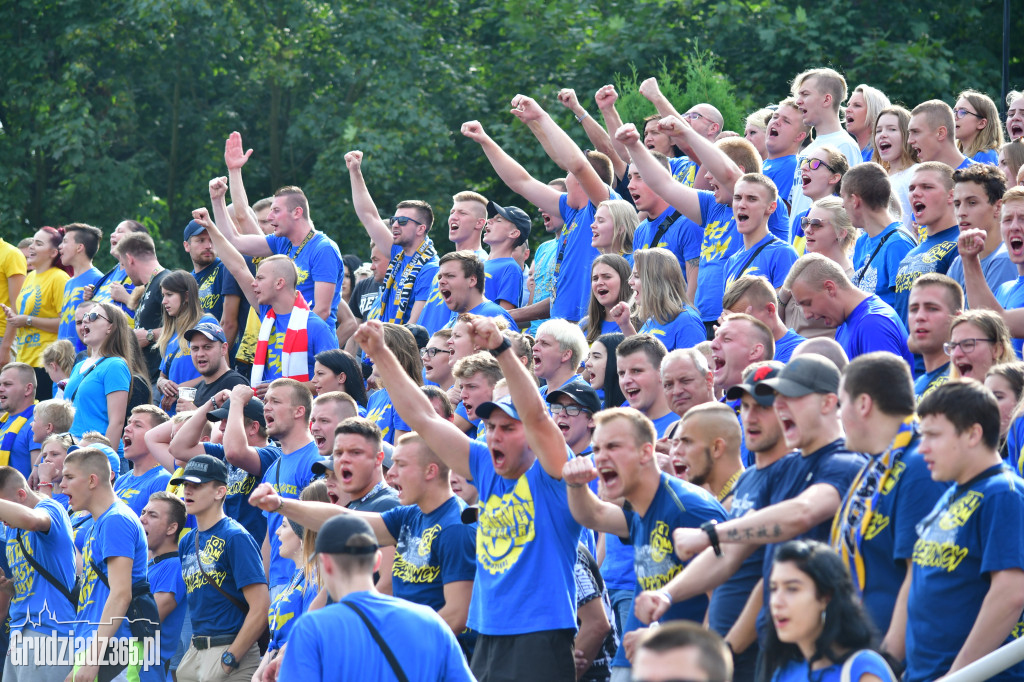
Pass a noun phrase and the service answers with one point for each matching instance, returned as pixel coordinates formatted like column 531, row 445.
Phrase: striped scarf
column 10, row 427
column 294, row 349
column 853, row 522
column 401, row 289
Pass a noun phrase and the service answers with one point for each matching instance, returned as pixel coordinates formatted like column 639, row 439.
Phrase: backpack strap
column 388, row 654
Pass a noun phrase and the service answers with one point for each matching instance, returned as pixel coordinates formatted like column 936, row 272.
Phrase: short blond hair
column 643, row 429
column 478, row 363
column 828, row 81
column 814, row 269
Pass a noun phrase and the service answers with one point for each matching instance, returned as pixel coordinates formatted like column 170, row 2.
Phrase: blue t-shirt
column 543, row 276
column 18, row 445
column 874, row 325
column 573, row 259
column 228, row 553
column 215, row 282
column 36, row 599
column 1015, row 445
column 177, row 362
column 934, row 254
column 525, row 550
column 241, row 484
column 486, row 309
column 1011, row 296
column 683, row 170
column 381, row 412
column 682, row 236
column 989, row 156
column 973, row 531
column 685, row 331
column 773, row 262
column 116, row 533
column 293, row 601
column 929, row 381
column 427, row 648
column 879, row 277
column 102, row 292
column 135, row 490
column 88, row 388
column 785, row 346
column 662, row 423
column 318, row 261
column 436, row 313
column 319, row 337
column 676, row 504
column 289, row 474
column 906, row 497
column 503, row 280
column 781, row 170
column 392, row 295
column 997, row 268
column 165, row 576
column 617, row 568
column 74, row 292
column 868, row 662
column 431, row 550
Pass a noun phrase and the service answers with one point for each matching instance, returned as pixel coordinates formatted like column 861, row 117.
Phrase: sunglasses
column 93, row 316
column 402, row 220
column 811, row 224
column 815, row 164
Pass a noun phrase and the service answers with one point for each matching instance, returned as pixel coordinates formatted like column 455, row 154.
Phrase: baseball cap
column 749, row 386
column 202, row 469
column 335, row 534
column 323, row 465
column 483, row 410
column 210, row 330
column 192, row 229
column 580, row 393
column 112, row 458
column 253, row 410
column 805, row 374
column 514, row 215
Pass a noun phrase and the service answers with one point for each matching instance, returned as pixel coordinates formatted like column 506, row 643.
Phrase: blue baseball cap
column 210, row 330
column 192, row 229
column 483, row 410
column 112, row 458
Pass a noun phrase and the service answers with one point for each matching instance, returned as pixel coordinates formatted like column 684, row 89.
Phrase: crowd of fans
column 760, row 388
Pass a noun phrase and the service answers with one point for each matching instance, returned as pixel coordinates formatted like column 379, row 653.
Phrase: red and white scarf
column 294, row 349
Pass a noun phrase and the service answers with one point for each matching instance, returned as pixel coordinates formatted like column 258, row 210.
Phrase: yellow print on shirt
column 960, row 511
column 938, row 252
column 713, row 248
column 894, row 477
column 661, row 546
column 303, row 276
column 506, row 526
column 877, row 524
column 944, row 555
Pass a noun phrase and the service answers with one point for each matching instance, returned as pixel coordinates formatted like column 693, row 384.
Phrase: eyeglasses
column 967, row 345
column 570, row 410
column 402, row 220
column 962, row 113
column 93, row 316
column 815, row 164
column 692, row 115
column 429, row 353
column 811, row 224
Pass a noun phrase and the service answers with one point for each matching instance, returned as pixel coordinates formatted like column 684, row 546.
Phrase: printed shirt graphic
column 503, row 280
column 135, row 490
column 74, row 292
column 318, row 261
column 973, row 531
column 929, row 381
column 1011, row 296
column 16, row 442
column 115, row 276
column 41, row 296
column 934, row 254
column 381, row 412
column 37, row 603
column 240, row 484
column 231, row 558
column 116, row 533
column 677, row 504
column 288, row 475
column 879, row 277
column 215, row 282
column 686, row 331
column 285, row 610
column 431, row 550
column 525, row 551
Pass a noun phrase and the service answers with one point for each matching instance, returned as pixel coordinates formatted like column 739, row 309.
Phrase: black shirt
column 228, row 380
column 364, row 293
column 149, row 315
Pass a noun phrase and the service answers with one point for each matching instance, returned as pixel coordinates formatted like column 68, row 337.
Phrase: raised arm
column 412, row 404
column 366, row 210
column 158, row 443
column 605, row 99
column 248, row 244
column 234, row 158
column 217, row 228
column 511, row 173
column 979, row 295
column 658, row 178
column 18, row 515
column 596, row 133
column 542, row 435
column 237, row 450
column 586, row 507
column 312, row 515
column 560, row 147
column 711, row 158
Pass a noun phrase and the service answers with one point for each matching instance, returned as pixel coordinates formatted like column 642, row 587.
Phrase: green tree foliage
column 120, row 109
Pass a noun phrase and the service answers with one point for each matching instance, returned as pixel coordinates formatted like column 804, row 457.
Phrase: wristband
column 712, row 532
column 575, row 485
column 41, row 484
column 28, row 320
column 579, row 119
column 664, row 593
column 502, row 347
column 280, row 506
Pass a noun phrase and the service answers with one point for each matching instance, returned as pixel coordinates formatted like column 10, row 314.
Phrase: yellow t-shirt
column 12, row 263
column 42, row 295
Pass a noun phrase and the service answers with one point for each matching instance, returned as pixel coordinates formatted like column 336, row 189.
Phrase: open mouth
column 127, row 440
column 884, row 146
column 788, row 427
column 345, row 475
column 966, row 369
column 1016, row 130
column 805, row 179
column 563, row 426
column 609, row 476
column 631, row 393
column 741, row 219
column 1016, row 245
column 333, row 496
column 919, row 206
column 547, row 218
column 773, row 132
column 498, row 458
column 320, row 441
column 269, row 419
column 917, row 151
column 718, row 362
column 445, row 293
column 680, row 469
column 188, row 501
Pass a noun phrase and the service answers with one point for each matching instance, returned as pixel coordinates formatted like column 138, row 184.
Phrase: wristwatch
column 150, row 336
column 712, row 533
column 502, row 347
column 228, row 659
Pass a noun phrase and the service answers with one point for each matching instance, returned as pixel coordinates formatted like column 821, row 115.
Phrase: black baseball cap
column 750, row 386
column 253, row 410
column 335, row 534
column 580, row 393
column 202, row 469
column 803, row 375
column 514, row 215
column 323, row 465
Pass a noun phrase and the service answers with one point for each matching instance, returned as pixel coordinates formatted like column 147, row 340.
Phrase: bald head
column 716, row 420
column 279, row 267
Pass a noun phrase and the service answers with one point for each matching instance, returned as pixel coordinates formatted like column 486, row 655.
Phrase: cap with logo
column 253, row 410
column 803, row 375
column 203, row 469
column 210, row 330
column 580, row 393
column 765, row 399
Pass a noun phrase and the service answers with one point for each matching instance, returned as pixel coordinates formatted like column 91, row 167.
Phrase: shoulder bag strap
column 84, row 374
column 755, row 254
column 49, row 577
column 864, row 268
column 388, row 654
column 663, row 227
column 239, row 604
